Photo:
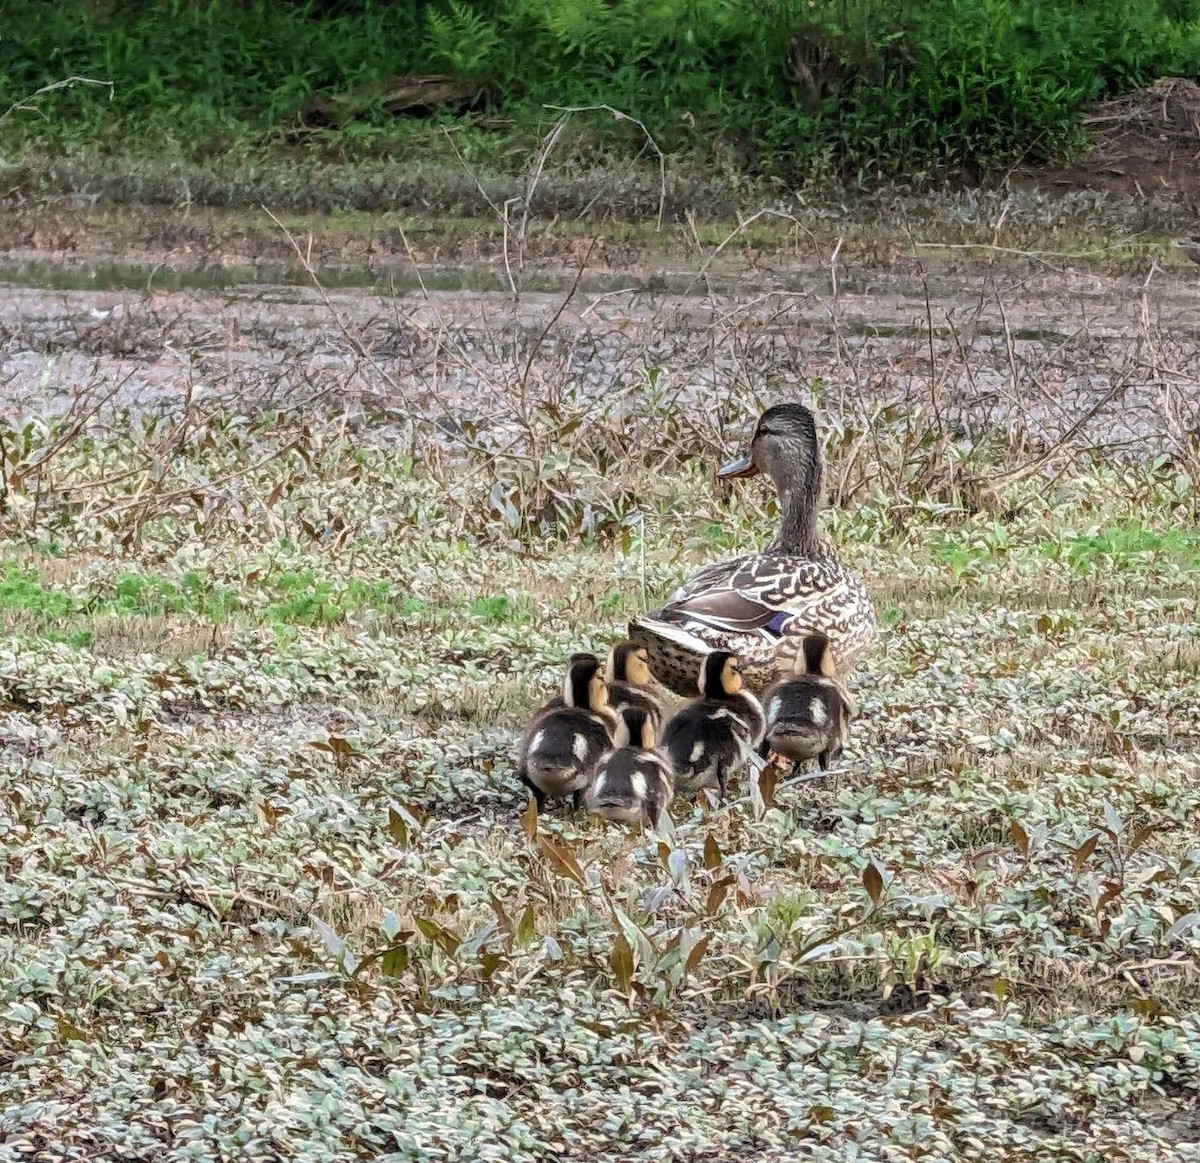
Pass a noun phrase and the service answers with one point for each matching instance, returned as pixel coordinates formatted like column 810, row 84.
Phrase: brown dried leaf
column 768, row 778
column 696, row 955
column 529, row 818
column 872, row 880
column 622, row 869
column 713, row 857
column 1080, row 857
column 561, row 859
column 621, row 960
column 397, row 826
column 1141, row 836
column 505, row 920
column 1020, row 837
column 717, row 894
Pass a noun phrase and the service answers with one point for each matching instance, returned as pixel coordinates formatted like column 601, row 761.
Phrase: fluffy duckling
column 632, row 781
column 568, row 735
column 710, row 738
column 808, row 714
column 630, row 683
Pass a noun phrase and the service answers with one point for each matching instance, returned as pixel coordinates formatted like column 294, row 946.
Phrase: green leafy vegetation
column 789, row 89
column 271, row 886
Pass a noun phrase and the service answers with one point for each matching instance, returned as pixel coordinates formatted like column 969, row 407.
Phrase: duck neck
column 798, row 525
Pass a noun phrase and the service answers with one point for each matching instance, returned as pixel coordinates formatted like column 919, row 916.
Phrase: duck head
column 721, row 675
column 784, row 447
column 584, row 684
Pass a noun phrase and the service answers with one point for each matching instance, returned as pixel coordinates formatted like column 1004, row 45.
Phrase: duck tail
column 650, row 624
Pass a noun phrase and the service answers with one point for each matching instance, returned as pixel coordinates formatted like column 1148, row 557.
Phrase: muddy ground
column 1068, row 347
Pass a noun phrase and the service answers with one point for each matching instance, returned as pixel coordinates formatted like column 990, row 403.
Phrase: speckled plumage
column 762, row 605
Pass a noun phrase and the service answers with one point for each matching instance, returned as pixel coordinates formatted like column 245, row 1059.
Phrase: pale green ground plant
column 271, row 888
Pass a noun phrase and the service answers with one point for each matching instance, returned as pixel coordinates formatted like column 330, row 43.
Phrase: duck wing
column 757, row 593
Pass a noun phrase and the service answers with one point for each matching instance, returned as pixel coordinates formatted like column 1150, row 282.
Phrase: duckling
column 808, row 714
column 632, row 781
column 711, row 737
column 631, row 684
column 568, row 735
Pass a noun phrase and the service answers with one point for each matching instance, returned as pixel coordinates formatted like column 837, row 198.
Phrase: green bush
column 870, row 86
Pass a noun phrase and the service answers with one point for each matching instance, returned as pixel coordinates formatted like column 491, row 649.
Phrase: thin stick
column 22, row 105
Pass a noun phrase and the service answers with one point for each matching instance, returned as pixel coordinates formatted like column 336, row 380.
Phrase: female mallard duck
column 710, row 738
column 632, row 781
column 762, row 605
column 568, row 735
column 809, row 713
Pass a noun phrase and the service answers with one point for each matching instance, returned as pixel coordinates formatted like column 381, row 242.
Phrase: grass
column 786, row 92
column 270, row 887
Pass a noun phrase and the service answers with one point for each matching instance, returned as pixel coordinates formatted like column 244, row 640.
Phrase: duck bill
column 742, row 467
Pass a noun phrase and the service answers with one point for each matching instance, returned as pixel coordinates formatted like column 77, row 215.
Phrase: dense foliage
column 788, row 87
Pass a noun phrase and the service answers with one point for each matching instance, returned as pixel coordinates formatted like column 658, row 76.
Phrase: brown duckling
column 715, row 735
column 630, row 684
column 632, row 780
column 809, row 714
column 568, row 735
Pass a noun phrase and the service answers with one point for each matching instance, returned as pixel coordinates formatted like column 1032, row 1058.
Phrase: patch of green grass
column 21, row 589
column 500, row 609
column 289, row 597
column 879, row 87
column 1130, row 546
column 193, row 593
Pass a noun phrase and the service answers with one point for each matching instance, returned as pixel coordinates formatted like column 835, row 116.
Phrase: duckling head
column 816, row 657
column 634, row 729
column 720, row 674
column 628, row 663
column 584, row 684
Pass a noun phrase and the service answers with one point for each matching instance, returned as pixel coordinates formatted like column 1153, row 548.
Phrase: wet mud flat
column 1061, row 354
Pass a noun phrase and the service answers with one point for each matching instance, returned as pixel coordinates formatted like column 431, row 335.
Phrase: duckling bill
column 568, row 735
column 632, row 780
column 808, row 714
column 714, row 736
